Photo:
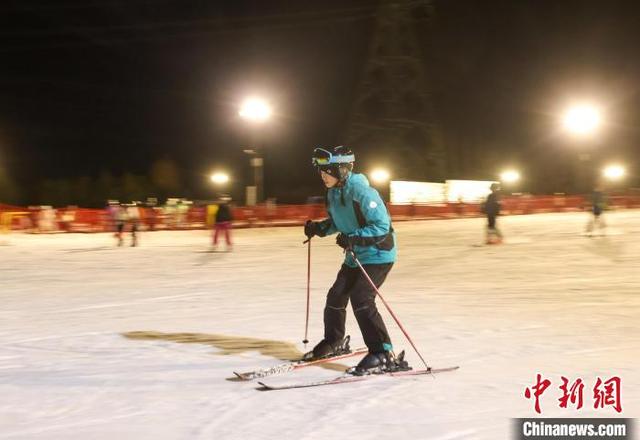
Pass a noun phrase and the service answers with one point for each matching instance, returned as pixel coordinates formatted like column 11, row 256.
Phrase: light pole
column 381, row 178
column 257, row 111
column 583, row 121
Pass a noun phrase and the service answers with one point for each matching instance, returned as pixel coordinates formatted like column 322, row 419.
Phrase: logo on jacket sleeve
column 373, row 205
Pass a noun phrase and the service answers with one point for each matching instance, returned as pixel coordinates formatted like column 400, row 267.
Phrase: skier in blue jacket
column 360, row 217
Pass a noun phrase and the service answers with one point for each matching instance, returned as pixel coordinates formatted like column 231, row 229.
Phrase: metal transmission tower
column 392, row 116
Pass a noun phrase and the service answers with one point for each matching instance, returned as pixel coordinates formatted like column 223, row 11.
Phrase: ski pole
column 305, row 341
column 366, row 275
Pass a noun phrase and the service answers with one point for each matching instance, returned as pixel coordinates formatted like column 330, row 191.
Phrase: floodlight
column 380, row 175
column 219, row 178
column 509, row 176
column 255, row 110
column 582, row 120
column 614, row 172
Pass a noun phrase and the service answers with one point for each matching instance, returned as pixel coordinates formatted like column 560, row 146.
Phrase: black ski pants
column 491, row 221
column 351, row 285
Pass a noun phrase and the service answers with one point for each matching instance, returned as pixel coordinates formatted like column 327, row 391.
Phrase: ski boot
column 324, row 349
column 379, row 363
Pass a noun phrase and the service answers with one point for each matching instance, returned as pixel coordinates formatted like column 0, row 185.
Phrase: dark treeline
column 162, row 180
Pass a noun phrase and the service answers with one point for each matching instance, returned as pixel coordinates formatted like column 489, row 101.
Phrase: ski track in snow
column 550, row 301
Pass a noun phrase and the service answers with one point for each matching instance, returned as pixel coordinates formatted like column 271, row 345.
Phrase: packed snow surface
column 101, row 342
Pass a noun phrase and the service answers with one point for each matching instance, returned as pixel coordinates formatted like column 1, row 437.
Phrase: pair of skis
column 349, row 378
column 345, row 378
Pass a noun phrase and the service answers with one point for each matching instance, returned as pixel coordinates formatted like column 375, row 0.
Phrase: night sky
column 88, row 86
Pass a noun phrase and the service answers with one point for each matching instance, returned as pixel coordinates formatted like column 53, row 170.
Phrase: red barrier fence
column 97, row 220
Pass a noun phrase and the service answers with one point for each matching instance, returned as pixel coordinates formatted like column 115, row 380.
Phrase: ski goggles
column 323, row 158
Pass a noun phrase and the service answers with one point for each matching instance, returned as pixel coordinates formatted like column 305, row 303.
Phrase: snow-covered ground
column 99, row 342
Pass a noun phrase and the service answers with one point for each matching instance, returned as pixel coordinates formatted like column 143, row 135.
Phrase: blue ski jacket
column 357, row 210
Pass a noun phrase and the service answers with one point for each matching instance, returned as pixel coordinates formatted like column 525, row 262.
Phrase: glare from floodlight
column 614, row 172
column 510, row 176
column 582, row 120
column 255, row 110
column 380, row 175
column 219, row 178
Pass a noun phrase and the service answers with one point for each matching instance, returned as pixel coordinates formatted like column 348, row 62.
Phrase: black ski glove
column 344, row 241
column 311, row 228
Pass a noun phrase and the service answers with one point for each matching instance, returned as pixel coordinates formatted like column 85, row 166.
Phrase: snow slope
column 99, row 342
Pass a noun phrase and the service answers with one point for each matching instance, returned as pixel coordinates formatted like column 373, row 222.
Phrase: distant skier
column 359, row 216
column 134, row 217
column 223, row 219
column 598, row 205
column 151, row 216
column 491, row 208
column 120, row 217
